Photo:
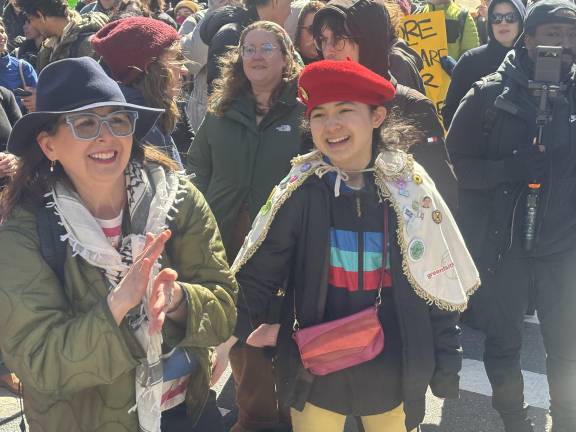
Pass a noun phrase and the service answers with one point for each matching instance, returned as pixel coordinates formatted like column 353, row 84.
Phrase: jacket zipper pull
column 358, row 207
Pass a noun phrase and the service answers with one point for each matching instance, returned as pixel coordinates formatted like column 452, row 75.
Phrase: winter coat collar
column 243, row 110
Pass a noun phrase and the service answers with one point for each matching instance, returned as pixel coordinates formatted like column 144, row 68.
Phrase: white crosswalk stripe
column 474, row 379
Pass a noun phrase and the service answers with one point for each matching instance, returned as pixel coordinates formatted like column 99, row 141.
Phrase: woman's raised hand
column 166, row 296
column 132, row 288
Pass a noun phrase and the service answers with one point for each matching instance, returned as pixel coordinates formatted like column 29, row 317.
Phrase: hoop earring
column 52, row 166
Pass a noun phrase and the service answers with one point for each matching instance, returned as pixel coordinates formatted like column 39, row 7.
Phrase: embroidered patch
column 306, row 167
column 426, row 202
column 415, row 206
column 416, row 249
column 400, row 184
column 266, row 208
column 437, row 216
column 440, row 270
column 284, row 128
column 408, row 214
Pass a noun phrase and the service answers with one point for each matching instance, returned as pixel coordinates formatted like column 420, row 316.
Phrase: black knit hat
column 546, row 12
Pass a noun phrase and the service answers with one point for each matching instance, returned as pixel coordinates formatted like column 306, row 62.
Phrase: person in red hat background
column 356, row 224
column 144, row 56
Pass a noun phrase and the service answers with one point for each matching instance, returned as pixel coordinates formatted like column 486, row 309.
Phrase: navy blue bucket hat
column 73, row 85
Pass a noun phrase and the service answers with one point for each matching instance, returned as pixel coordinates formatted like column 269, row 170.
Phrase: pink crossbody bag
column 345, row 342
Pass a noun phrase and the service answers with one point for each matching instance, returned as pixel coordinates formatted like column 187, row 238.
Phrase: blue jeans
column 176, row 420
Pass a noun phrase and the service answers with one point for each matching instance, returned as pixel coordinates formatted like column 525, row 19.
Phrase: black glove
column 529, row 164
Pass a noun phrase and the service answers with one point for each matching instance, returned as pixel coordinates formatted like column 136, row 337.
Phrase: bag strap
column 378, row 301
column 52, row 248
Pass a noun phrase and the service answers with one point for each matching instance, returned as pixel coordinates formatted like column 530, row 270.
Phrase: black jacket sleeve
column 11, row 107
column 448, row 353
column 459, row 86
column 467, row 146
column 266, row 271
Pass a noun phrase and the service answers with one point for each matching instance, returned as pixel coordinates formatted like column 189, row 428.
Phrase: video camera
column 546, row 85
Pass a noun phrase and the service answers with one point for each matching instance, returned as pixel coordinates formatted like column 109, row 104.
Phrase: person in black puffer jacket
column 484, row 60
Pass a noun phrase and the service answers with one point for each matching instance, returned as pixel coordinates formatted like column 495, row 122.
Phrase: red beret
column 330, row 81
column 129, row 45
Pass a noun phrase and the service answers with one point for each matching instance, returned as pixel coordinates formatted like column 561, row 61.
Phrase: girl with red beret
column 369, row 260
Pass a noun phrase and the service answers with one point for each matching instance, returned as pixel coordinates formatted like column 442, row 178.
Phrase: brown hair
column 310, row 8
column 233, row 80
column 33, row 178
column 157, row 83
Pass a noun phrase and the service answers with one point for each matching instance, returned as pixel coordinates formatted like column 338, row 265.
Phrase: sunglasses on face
column 86, row 126
column 509, row 17
column 266, row 50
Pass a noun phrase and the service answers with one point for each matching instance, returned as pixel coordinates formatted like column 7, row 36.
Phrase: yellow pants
column 315, row 419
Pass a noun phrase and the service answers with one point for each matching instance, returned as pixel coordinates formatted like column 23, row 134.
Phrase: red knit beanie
column 330, row 81
column 129, row 45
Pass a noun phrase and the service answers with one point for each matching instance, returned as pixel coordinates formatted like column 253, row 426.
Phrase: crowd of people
column 265, row 185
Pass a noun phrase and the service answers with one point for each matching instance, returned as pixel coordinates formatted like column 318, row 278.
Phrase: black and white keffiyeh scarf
column 151, row 198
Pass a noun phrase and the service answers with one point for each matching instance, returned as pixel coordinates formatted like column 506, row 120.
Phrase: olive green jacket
column 75, row 42
column 76, row 364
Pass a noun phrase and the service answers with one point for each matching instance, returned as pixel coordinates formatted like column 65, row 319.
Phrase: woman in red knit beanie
column 144, row 56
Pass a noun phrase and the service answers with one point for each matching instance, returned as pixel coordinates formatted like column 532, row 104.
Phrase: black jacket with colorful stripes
column 296, row 255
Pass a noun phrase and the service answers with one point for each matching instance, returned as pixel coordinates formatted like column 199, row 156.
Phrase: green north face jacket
column 236, row 161
column 77, row 366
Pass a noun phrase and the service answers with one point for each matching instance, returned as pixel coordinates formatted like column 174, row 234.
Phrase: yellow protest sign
column 426, row 34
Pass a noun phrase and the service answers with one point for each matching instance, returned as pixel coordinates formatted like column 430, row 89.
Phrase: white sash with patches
column 435, row 259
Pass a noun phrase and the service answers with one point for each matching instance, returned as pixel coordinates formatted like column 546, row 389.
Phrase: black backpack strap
column 49, row 232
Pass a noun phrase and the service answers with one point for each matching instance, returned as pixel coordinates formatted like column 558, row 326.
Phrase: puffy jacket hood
column 520, row 9
column 369, row 22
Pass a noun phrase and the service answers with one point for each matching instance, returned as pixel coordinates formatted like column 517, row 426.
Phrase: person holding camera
column 513, row 154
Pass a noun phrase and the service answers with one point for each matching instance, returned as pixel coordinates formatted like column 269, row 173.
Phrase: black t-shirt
column 355, row 273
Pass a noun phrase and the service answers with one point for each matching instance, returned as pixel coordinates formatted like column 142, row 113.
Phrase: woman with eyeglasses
column 113, row 277
column 304, row 39
column 144, row 55
column 242, row 149
column 505, row 18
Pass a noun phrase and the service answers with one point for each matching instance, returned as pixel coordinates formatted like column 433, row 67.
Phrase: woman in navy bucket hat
column 104, row 333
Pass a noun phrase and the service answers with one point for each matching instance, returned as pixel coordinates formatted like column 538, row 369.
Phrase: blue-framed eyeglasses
column 87, row 126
